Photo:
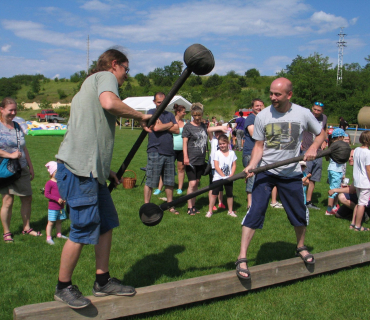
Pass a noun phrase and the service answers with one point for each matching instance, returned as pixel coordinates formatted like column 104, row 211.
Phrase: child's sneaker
column 221, row 206
column 277, row 205
column 179, row 191
column 62, row 237
column 209, row 214
column 330, row 213
column 157, row 192
column 50, row 241
column 232, row 214
column 214, row 208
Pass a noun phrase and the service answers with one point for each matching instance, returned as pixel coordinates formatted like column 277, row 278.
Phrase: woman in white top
column 180, row 113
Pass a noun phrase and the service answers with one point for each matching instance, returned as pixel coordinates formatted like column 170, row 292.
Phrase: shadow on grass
column 276, row 251
column 148, row 270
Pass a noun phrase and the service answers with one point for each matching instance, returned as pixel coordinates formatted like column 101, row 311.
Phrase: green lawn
column 182, row 247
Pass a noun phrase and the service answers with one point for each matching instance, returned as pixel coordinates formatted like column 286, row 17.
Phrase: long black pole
column 180, row 81
column 241, row 175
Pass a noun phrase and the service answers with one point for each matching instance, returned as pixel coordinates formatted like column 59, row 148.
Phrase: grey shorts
column 21, row 187
column 160, row 165
column 250, row 181
column 315, row 168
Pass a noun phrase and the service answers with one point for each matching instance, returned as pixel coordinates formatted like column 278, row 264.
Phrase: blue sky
column 50, row 37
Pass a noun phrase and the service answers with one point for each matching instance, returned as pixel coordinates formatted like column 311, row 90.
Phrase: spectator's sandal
column 8, row 237
column 352, row 226
column 361, row 229
column 38, row 233
column 238, row 269
column 173, row 210
column 195, row 210
column 190, row 212
column 306, row 257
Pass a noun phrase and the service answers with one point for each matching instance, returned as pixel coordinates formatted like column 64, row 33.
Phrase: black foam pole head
column 150, row 214
column 199, row 59
column 340, row 151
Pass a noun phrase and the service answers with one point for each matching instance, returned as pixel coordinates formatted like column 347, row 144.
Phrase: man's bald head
column 280, row 94
column 283, row 83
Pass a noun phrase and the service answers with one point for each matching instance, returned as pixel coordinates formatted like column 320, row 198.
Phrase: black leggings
column 228, row 188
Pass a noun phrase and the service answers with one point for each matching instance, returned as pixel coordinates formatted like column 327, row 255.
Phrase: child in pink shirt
column 56, row 212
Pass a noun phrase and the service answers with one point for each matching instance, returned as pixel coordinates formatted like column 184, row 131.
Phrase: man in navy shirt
column 161, row 156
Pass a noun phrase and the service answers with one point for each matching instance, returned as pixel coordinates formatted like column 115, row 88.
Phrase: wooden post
column 182, row 292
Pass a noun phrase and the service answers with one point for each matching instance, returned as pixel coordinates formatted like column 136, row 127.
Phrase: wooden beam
column 182, row 292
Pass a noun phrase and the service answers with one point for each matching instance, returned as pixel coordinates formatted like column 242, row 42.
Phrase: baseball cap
column 337, row 132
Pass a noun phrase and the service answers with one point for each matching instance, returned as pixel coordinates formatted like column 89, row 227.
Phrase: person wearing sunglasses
column 314, row 167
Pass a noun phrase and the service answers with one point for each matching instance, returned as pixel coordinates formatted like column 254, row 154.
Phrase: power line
column 341, row 44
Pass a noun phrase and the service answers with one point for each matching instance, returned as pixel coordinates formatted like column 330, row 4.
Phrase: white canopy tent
column 146, row 103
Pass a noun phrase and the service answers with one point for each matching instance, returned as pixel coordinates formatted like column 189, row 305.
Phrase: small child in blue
column 56, row 213
column 335, row 174
column 305, row 179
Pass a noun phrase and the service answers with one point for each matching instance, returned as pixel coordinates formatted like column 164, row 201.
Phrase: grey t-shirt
column 8, row 142
column 308, row 137
column 88, row 144
column 197, row 141
column 282, row 136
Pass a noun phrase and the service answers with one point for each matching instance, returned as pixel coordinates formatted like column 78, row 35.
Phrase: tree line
column 313, row 77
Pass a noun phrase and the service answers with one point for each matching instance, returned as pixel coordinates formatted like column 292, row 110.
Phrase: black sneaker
column 71, row 296
column 312, row 206
column 113, row 287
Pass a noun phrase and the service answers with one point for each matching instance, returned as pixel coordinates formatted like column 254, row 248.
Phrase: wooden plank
column 182, row 292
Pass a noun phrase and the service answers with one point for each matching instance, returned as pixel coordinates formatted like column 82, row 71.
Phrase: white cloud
column 214, row 19
column 353, row 21
column 56, row 76
column 36, row 32
column 326, row 22
column 95, row 5
column 6, row 48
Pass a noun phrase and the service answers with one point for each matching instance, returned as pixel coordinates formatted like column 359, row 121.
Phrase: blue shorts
column 91, row 208
column 250, row 181
column 335, row 180
column 54, row 215
column 291, row 196
column 160, row 165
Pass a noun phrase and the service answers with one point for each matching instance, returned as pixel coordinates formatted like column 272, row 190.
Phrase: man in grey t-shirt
column 278, row 134
column 314, row 167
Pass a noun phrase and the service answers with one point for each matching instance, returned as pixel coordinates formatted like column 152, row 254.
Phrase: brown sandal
column 173, row 210
column 38, row 233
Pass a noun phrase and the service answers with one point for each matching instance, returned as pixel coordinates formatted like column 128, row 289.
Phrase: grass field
column 182, row 247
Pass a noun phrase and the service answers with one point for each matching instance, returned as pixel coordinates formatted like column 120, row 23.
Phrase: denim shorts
column 55, row 215
column 91, row 208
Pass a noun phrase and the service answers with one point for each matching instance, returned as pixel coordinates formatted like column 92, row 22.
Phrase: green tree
column 213, row 81
column 35, row 85
column 61, row 94
column 195, row 81
column 143, row 80
column 78, row 76
column 252, row 73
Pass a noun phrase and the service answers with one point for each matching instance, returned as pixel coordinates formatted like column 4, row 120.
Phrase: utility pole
column 341, row 44
column 88, row 52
